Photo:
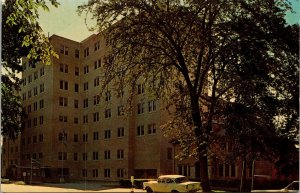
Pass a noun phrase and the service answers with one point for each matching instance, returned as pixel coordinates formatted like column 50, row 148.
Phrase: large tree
column 21, row 37
column 185, row 49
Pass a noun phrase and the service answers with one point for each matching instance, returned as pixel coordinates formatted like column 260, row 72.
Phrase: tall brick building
column 68, row 125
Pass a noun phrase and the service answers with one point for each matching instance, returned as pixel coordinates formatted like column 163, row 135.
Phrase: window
column 141, row 88
column 169, row 153
column 232, row 171
column 97, row 64
column 84, row 156
column 75, row 156
column 107, row 154
column 63, row 84
column 140, row 108
column 107, row 96
column 84, row 173
column 85, row 69
column 85, row 86
column 107, row 134
column 140, row 130
column 221, row 170
column 62, row 137
column 42, row 87
column 35, row 75
column 226, row 170
column 42, row 71
column 64, row 50
column 184, row 170
column 62, row 155
column 96, row 116
column 86, row 52
column 41, row 156
column 96, row 99
column 63, row 68
column 97, row 46
column 34, row 156
column 41, row 120
column 76, row 53
column 34, row 121
column 63, row 101
column 85, row 119
column 95, row 173
column 35, row 106
column 29, row 94
column 120, row 110
column 85, row 137
column 152, row 128
column 85, row 103
column 34, row 139
column 120, row 131
column 120, row 173
column 76, row 71
column 97, row 81
column 96, row 136
column 41, row 103
column 76, row 87
column 35, row 91
column 106, row 173
column 29, row 123
column 76, row 120
column 151, row 105
column 107, row 113
column 95, row 155
column 75, row 138
column 24, row 96
column 41, row 138
column 120, row 154
column 28, row 140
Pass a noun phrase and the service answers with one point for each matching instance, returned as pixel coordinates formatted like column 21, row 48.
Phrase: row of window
column 35, row 106
column 35, row 139
column 106, row 173
column 107, row 135
column 226, row 170
column 35, row 92
column 95, row 155
column 34, row 156
column 11, row 150
column 34, row 76
column 34, row 122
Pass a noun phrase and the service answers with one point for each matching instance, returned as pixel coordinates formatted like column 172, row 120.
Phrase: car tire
column 149, row 190
column 174, row 191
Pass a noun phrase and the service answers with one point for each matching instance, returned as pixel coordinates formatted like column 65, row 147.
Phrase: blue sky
column 64, row 20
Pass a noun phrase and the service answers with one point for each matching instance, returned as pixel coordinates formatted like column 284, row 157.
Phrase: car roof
column 171, row 176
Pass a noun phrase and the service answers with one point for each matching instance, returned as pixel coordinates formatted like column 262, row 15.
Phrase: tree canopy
column 21, row 37
column 197, row 53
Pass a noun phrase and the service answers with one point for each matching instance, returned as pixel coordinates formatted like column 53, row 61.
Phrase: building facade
column 71, row 131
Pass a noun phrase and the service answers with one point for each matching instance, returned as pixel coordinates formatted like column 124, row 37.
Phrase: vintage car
column 171, row 183
column 292, row 187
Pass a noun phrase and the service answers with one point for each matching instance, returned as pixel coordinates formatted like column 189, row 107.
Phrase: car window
column 181, row 180
column 169, row 180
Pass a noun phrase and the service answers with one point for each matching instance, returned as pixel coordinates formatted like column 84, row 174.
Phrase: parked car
column 292, row 187
column 171, row 183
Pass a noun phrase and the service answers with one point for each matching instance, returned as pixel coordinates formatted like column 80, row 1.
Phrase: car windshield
column 293, row 186
column 181, row 180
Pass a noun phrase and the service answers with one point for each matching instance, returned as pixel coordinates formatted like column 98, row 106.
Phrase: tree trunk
column 201, row 142
column 243, row 177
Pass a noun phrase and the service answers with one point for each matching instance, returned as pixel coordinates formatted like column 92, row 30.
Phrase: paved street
column 67, row 187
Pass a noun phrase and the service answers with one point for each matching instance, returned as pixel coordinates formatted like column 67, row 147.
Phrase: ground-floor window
column 106, row 173
column 120, row 173
column 184, row 170
column 95, row 173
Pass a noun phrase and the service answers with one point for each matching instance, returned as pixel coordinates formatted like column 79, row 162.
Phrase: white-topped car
column 292, row 187
column 171, row 183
